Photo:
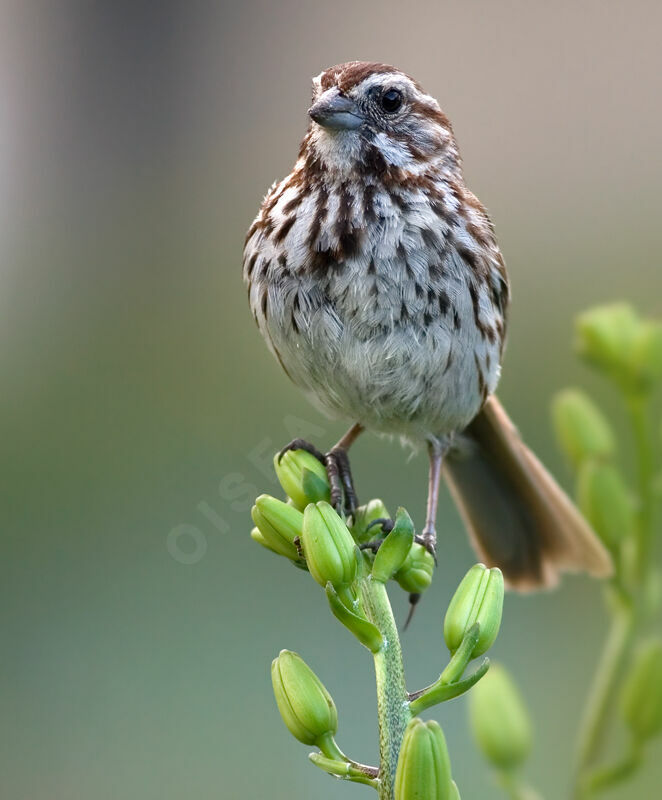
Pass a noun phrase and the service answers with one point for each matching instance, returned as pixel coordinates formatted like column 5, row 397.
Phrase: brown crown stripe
column 347, row 76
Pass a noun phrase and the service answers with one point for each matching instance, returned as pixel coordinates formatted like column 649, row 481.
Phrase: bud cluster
column 623, row 345
column 589, row 443
column 353, row 563
column 307, row 530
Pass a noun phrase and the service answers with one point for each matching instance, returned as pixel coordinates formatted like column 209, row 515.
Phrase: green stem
column 625, row 614
column 344, row 769
column 462, row 656
column 512, row 784
column 606, row 777
column 593, row 724
column 640, row 419
column 439, row 691
column 392, row 701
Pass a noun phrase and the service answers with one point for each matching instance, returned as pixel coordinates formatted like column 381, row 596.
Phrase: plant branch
column 606, row 777
column 642, row 429
column 392, row 702
column 512, row 784
column 593, row 725
column 440, row 691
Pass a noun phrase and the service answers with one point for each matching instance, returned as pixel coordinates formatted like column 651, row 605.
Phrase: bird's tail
column 518, row 517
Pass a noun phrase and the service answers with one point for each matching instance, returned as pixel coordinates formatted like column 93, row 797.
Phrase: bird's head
column 372, row 116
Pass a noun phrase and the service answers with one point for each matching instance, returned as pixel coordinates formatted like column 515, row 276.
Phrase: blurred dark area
column 140, row 408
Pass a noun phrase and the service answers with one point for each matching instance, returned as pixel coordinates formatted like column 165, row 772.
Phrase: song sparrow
column 375, row 277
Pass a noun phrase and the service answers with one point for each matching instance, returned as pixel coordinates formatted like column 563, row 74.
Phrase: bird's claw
column 429, row 541
column 336, row 462
column 302, row 444
column 386, row 524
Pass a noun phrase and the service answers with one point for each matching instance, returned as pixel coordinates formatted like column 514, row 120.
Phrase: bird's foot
column 428, row 539
column 386, row 524
column 338, row 471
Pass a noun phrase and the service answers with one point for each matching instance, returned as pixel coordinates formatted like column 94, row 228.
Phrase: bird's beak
column 336, row 112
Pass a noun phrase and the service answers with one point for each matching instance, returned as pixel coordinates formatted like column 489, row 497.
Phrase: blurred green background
column 139, row 406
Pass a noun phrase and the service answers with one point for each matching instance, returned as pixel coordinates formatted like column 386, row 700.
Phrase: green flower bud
column 627, row 348
column 499, row 720
column 302, row 477
column 328, row 546
column 653, row 591
column 304, row 704
column 278, row 524
column 364, row 515
column 605, row 501
column 256, row 536
column 394, row 549
column 478, row 599
column 641, row 701
column 581, row 428
column 415, row 574
column 455, row 792
column 424, row 768
column 605, row 335
column 646, row 357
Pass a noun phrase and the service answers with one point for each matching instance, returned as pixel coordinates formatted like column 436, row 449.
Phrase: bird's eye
column 391, row 100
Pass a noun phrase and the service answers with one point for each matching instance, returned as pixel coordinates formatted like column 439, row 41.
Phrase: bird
column 376, row 279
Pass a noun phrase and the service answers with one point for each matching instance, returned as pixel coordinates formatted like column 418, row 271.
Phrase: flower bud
column 499, row 720
column 279, row 524
column 478, row 599
column 424, row 768
column 581, row 428
column 605, row 501
column 455, row 792
column 394, row 549
column 605, row 335
column 366, row 514
column 646, row 358
column 304, row 704
column 641, row 701
column 256, row 536
column 619, row 342
column 415, row 574
column 302, row 477
column 328, row 546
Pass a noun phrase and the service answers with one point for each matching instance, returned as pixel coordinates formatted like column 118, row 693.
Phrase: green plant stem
column 439, row 691
column 344, row 769
column 644, row 436
column 593, row 725
column 462, row 656
column 625, row 616
column 392, row 700
column 512, row 784
column 606, row 777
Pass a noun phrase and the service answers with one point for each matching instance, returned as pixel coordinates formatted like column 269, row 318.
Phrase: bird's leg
column 340, row 472
column 338, row 469
column 428, row 538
